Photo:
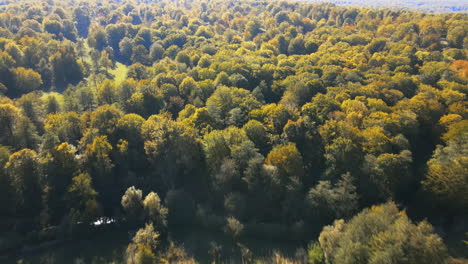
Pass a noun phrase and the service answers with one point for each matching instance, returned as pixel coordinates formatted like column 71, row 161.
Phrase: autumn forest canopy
column 341, row 130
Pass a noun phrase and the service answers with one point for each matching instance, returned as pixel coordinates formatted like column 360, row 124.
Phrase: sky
column 431, row 6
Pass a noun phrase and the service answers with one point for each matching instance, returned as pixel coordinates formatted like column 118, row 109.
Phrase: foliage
column 381, row 234
column 266, row 118
column 132, row 204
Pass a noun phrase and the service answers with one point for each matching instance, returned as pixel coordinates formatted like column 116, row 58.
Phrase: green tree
column 390, row 173
column 140, row 54
column 105, row 119
column 339, row 201
column 447, row 173
column 155, row 211
column 432, row 72
column 233, row 228
column 25, row 134
column 24, row 172
column 132, row 204
column 315, row 254
column 107, row 93
column 297, row 46
column 60, row 164
column 143, row 246
column 67, row 126
column 6, row 188
column 53, row 27
column 382, row 234
column 26, row 80
column 224, row 100
column 97, row 38
column 82, row 199
column 65, row 67
column 273, row 117
column 126, row 48
column 83, row 20
column 156, row 52
column 173, row 151
column 288, row 160
column 9, row 115
column 257, row 133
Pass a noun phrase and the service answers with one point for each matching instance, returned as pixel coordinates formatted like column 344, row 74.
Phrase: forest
column 338, row 132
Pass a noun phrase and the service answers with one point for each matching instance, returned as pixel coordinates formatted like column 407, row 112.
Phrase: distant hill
column 430, row 6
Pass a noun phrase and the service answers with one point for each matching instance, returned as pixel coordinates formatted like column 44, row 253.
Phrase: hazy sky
column 419, row 5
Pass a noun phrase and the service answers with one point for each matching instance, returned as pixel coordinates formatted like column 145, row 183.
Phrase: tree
column 315, row 254
column 138, row 71
column 188, row 87
column 115, row 33
column 52, row 105
column 106, row 62
column 82, row 199
column 69, row 30
column 257, row 133
column 65, row 67
column 3, row 89
column 287, row 178
column 447, row 174
column 390, row 173
column 184, row 57
column 173, row 151
column 106, row 93
column 432, row 72
column 456, row 36
column 224, row 100
column 297, row 46
column 328, row 203
column 126, row 48
column 129, row 128
column 99, row 164
column 60, row 164
column 320, row 107
column 288, row 160
column 273, row 116
column 67, row 126
column 97, row 38
column 81, row 16
column 342, row 155
column 382, row 234
column 140, row 54
column 376, row 45
column 26, row 80
column 97, row 155
column 143, row 246
column 226, row 152
column 24, row 172
column 252, row 29
column 132, row 204
column 6, row 188
column 52, row 27
column 9, row 115
column 140, row 254
column 156, row 52
column 155, row 212
column 233, row 228
column 105, row 119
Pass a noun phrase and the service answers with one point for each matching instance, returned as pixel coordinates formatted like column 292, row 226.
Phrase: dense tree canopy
column 253, row 118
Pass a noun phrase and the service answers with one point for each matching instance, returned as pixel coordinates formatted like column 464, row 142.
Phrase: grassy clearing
column 120, row 72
